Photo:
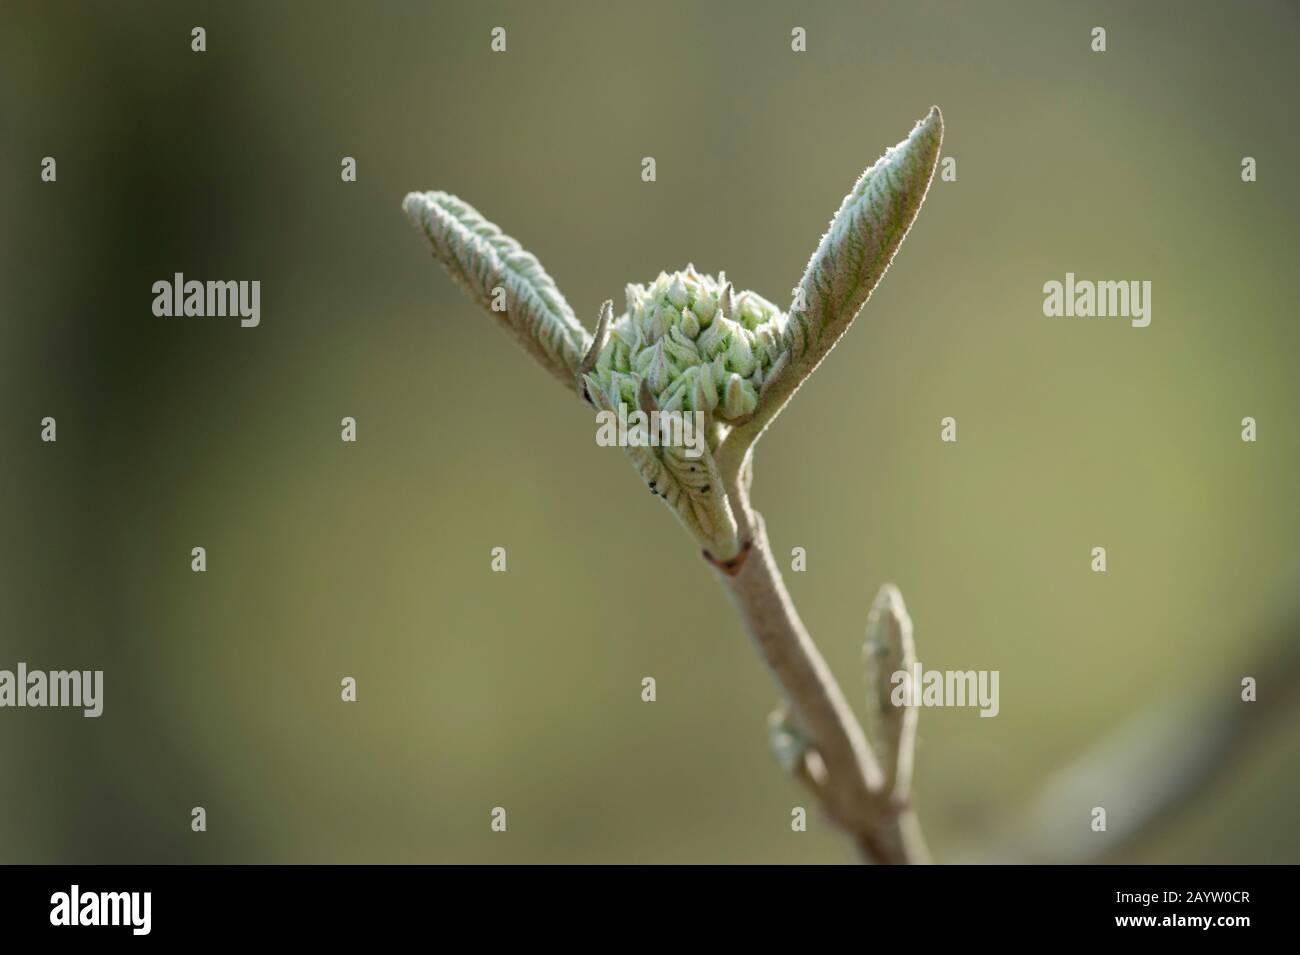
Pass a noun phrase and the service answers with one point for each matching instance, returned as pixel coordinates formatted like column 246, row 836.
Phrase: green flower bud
column 740, row 357
column 719, row 372
column 740, row 398
column 705, row 306
column 629, row 335
column 680, row 348
column 704, row 396
column 690, row 323
column 696, row 343
column 766, row 344
column 635, row 293
column 676, row 293
column 621, row 390
column 676, row 396
column 655, row 368
column 716, row 339
column 658, row 319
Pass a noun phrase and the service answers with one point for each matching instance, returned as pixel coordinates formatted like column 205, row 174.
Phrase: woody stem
column 852, row 792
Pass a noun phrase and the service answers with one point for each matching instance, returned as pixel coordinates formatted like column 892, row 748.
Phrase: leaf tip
column 414, row 204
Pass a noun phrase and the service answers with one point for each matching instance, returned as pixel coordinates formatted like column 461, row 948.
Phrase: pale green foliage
column 688, row 341
column 889, row 649
column 863, row 236
column 481, row 258
column 852, row 258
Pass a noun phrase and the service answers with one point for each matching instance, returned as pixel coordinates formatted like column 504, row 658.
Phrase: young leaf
column 481, row 258
column 849, row 262
column 889, row 649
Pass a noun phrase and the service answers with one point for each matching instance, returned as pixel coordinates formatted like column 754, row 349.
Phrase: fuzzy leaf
column 850, row 261
column 889, row 649
column 481, row 258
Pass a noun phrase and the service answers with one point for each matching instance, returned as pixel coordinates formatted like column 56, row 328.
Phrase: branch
column 840, row 768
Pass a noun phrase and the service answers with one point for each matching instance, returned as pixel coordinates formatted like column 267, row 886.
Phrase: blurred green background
column 522, row 689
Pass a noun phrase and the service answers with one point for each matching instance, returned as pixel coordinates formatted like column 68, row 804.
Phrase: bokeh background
column 522, row 689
